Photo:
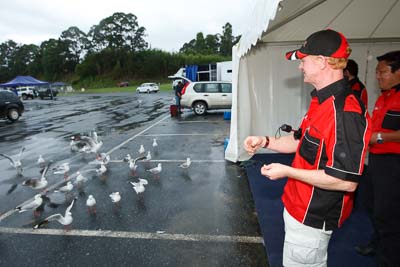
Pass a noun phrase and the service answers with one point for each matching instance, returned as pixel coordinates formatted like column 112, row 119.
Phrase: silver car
column 203, row 96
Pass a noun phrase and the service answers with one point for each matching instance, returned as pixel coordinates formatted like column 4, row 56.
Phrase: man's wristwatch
column 379, row 138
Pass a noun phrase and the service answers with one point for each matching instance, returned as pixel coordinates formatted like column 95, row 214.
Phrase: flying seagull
column 16, row 163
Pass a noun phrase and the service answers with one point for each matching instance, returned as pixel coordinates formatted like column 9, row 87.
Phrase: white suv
column 26, row 92
column 203, row 96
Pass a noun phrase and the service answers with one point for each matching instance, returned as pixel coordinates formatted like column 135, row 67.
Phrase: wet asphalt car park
column 202, row 216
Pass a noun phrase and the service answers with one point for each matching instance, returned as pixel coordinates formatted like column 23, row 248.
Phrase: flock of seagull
column 63, row 194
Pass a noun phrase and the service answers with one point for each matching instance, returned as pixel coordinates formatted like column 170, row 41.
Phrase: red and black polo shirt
column 386, row 119
column 359, row 90
column 335, row 136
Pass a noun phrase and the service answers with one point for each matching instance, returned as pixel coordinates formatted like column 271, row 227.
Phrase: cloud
column 168, row 24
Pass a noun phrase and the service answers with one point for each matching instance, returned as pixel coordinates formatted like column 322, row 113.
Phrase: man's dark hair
column 392, row 58
column 352, row 67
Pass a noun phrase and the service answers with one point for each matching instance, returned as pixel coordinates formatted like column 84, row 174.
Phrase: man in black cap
column 330, row 152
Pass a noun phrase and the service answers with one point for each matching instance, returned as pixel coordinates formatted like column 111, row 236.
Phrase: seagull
column 33, row 205
column 115, row 198
column 143, row 181
column 37, row 183
column 66, row 188
column 141, row 150
column 101, row 170
column 155, row 143
column 132, row 164
column 65, row 220
column 127, row 158
column 103, row 158
column 148, row 156
column 79, row 181
column 138, row 187
column 41, row 162
column 17, row 162
column 156, row 171
column 186, row 164
column 62, row 169
column 91, row 204
column 86, row 144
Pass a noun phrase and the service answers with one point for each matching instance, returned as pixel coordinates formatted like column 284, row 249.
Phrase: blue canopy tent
column 23, row 81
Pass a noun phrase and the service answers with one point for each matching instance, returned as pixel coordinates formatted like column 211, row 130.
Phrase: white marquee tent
column 268, row 90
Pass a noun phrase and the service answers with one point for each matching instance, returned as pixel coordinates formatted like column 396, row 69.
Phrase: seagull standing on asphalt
column 65, row 220
column 115, row 198
column 91, row 204
column 32, row 205
column 41, row 162
column 141, row 150
column 80, row 180
column 186, row 164
column 66, row 188
column 156, row 171
column 155, row 143
column 127, row 158
column 16, row 163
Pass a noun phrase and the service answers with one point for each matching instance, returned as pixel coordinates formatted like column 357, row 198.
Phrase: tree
column 212, row 44
column 76, row 42
column 118, row 32
column 227, row 40
column 52, row 58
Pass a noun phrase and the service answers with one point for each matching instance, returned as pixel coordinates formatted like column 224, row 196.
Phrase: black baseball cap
column 328, row 43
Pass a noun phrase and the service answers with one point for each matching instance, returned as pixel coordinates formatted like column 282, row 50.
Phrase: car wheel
column 24, row 97
column 13, row 114
column 148, row 91
column 199, row 108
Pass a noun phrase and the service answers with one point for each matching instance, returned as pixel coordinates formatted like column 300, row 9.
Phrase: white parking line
column 135, row 235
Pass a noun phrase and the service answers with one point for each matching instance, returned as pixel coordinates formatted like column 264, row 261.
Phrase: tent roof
column 294, row 20
column 23, row 80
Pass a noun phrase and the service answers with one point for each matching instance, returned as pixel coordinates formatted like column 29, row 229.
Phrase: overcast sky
column 169, row 23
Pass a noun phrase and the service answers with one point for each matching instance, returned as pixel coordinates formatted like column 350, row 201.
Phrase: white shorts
column 304, row 245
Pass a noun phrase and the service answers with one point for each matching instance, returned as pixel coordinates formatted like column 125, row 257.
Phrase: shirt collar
column 331, row 90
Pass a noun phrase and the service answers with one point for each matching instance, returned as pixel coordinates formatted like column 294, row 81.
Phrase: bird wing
column 9, row 158
column 54, row 217
column 70, row 207
column 21, row 152
column 45, row 170
column 138, row 158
